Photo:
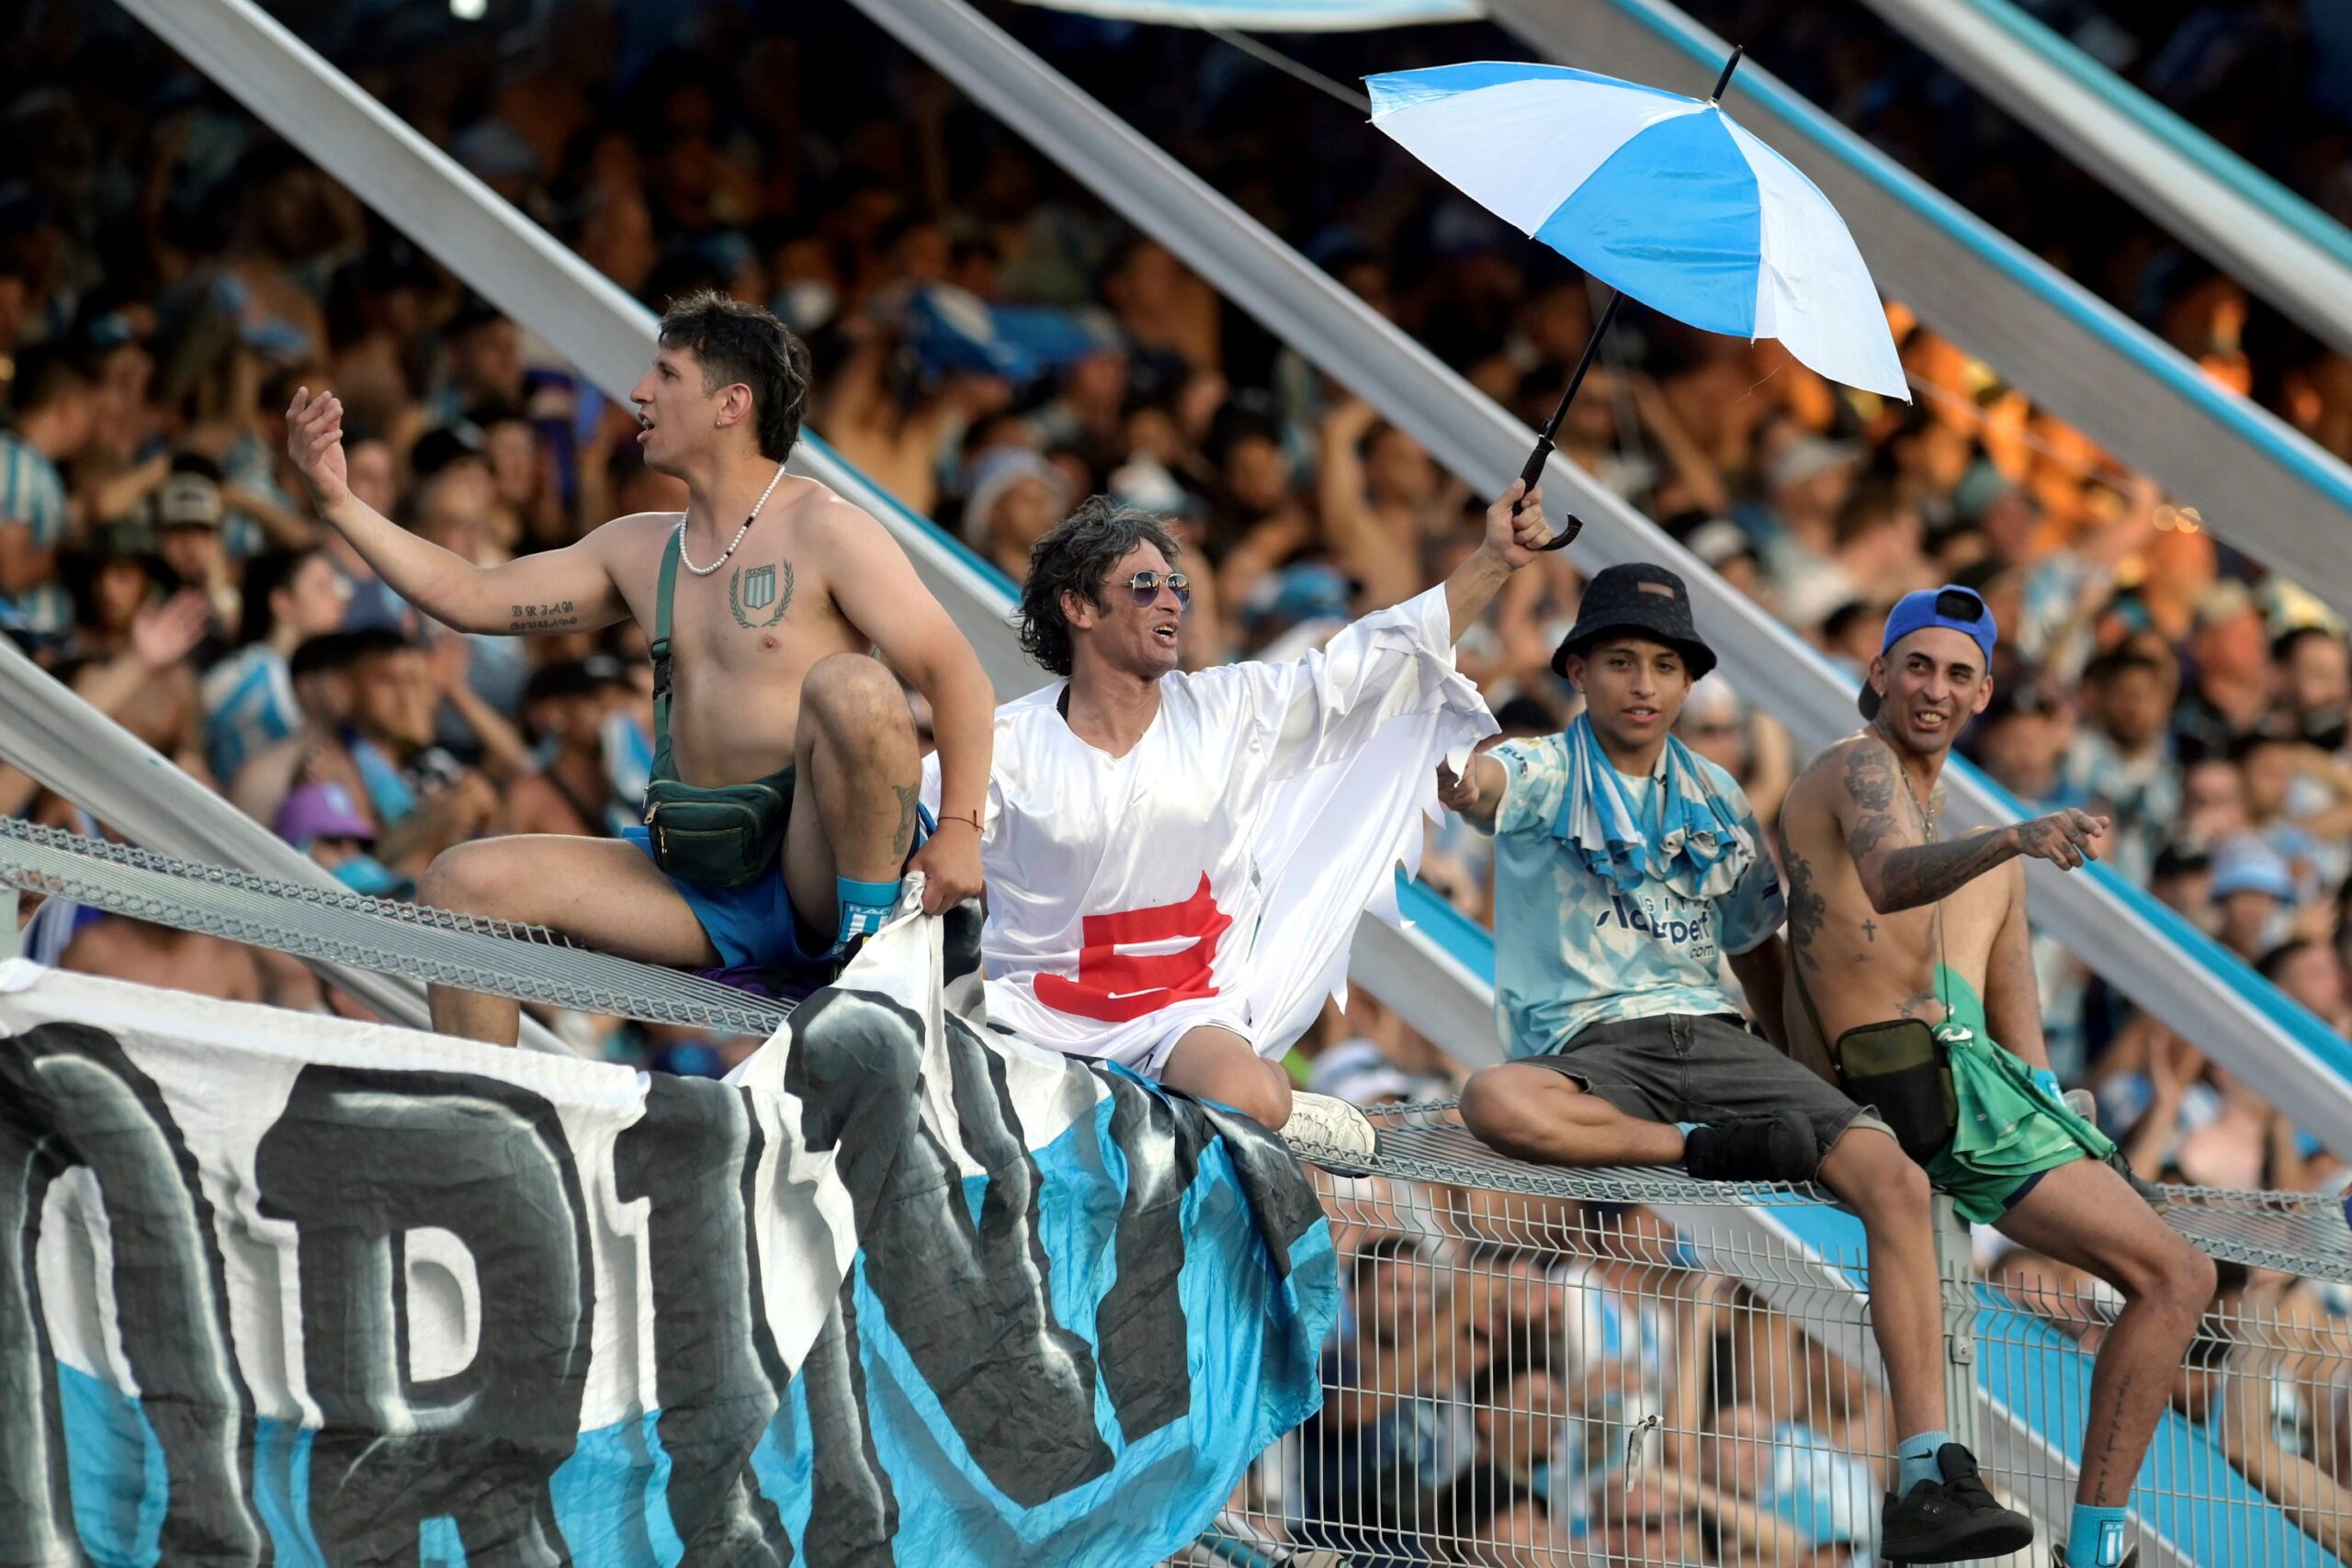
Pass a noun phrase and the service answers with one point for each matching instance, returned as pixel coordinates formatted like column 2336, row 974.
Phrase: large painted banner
column 281, row 1289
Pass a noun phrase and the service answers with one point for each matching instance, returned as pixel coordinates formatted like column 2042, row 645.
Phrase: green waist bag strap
column 1902, row 1069
column 717, row 838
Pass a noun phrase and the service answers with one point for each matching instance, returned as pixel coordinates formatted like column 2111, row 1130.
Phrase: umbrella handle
column 1570, row 524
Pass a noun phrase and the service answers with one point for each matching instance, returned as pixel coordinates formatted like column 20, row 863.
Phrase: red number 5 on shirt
column 1115, row 986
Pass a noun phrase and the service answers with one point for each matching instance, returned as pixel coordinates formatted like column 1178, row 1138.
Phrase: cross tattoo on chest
column 1870, row 931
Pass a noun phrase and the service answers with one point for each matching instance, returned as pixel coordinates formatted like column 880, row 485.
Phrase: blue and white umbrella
column 1661, row 196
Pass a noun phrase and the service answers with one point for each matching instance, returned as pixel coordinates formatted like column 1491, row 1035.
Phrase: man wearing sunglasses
column 1176, row 862
column 1915, row 990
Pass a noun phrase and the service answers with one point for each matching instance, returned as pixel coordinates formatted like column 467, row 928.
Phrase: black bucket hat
column 1638, row 597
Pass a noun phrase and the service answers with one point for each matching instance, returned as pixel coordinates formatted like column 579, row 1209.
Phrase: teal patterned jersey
column 1571, row 951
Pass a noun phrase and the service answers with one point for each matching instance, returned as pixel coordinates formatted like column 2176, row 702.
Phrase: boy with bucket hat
column 1627, row 868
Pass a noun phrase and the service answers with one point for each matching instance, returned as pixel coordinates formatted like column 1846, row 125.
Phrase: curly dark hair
column 734, row 342
column 1074, row 556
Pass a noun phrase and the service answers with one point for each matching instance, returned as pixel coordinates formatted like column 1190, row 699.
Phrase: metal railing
column 1574, row 1369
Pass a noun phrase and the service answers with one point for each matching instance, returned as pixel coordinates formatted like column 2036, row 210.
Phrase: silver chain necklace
column 687, row 561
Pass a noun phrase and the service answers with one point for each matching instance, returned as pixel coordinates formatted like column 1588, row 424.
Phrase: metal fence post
column 1956, row 1268
column 12, row 940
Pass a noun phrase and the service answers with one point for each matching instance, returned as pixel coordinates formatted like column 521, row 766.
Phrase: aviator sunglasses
column 1145, row 587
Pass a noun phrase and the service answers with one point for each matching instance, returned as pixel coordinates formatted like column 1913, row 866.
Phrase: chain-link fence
column 1577, row 1369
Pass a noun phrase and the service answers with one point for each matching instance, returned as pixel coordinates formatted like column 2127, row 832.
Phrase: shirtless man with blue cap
column 1915, row 992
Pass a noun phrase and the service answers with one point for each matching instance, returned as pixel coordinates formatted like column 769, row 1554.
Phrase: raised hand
column 1456, row 792
column 161, row 635
column 1515, row 527
column 2066, row 839
column 314, row 441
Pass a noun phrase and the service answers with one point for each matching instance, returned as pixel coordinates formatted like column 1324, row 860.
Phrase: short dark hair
column 2282, row 647
column 375, row 642
column 734, row 342
column 45, row 374
column 264, row 574
column 1073, row 557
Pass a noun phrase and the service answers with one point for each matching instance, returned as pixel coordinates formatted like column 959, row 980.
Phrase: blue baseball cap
column 1961, row 609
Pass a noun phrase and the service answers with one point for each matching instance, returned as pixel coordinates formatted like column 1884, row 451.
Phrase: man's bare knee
column 1504, row 1110
column 1876, row 1178
column 1266, row 1100
column 851, row 696
column 469, row 878
column 2171, row 1275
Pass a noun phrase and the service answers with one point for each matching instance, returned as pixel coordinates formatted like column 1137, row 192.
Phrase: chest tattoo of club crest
column 754, row 589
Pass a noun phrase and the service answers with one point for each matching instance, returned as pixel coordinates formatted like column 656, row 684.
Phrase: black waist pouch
column 1902, row 1071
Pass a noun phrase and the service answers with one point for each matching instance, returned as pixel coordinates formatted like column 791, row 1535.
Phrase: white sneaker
column 1330, row 1131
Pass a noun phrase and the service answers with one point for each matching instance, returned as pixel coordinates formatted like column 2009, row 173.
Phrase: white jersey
column 1215, row 873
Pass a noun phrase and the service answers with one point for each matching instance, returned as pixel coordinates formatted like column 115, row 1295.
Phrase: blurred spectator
column 323, row 823
column 2121, row 759
column 572, row 790
column 2253, row 888
column 52, row 407
column 288, row 598
column 420, row 799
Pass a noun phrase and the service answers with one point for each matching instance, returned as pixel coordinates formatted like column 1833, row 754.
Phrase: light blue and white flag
column 1277, row 16
column 1661, row 196
column 278, row 1289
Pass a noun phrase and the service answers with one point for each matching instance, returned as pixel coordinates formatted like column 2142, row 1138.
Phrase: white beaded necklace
column 706, row 570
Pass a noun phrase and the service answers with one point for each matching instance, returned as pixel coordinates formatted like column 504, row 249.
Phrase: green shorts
column 2011, row 1133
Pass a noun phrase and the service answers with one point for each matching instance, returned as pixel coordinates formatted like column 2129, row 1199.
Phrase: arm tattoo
column 1808, row 909
column 908, row 795
column 556, row 617
column 1868, row 832
column 1925, row 873
column 1869, row 776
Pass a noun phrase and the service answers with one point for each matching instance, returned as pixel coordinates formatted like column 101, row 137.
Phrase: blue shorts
column 752, row 926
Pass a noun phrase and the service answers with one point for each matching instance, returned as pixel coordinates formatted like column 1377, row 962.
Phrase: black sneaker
column 1954, row 1522
column 1775, row 1148
column 2058, row 1558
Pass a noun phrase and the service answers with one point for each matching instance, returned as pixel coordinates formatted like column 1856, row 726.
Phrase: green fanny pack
column 719, row 837
column 723, row 836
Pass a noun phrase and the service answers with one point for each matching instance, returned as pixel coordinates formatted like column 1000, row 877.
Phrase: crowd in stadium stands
column 989, row 347
column 2266, row 79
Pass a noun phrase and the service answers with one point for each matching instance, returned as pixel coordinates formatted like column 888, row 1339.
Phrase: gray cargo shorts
column 1687, row 1067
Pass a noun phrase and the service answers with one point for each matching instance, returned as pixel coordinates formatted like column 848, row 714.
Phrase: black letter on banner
column 1140, row 1324
column 360, row 1157
column 696, row 1155
column 69, row 1096
column 1279, row 1192
column 853, row 1509
column 971, row 1307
